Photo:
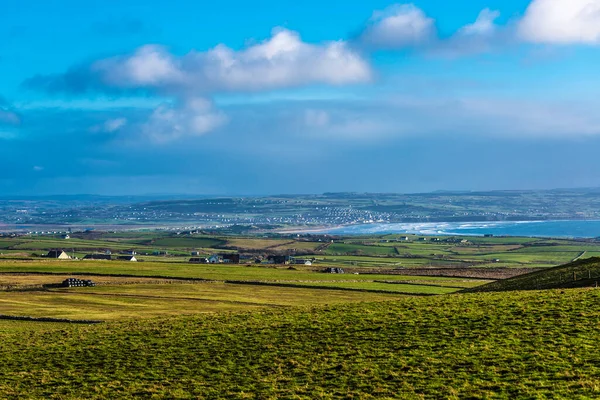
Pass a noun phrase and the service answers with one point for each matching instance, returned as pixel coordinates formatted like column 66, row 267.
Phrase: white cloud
column 115, row 124
column 192, row 117
column 562, row 22
column 282, row 61
column 484, row 25
column 398, row 26
column 478, row 37
column 109, row 126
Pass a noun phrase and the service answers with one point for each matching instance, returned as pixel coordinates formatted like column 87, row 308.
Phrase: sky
column 271, row 97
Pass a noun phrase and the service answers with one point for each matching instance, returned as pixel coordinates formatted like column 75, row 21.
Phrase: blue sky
column 297, row 97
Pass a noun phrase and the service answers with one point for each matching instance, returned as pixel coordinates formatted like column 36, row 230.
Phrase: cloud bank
column 282, row 61
column 562, row 22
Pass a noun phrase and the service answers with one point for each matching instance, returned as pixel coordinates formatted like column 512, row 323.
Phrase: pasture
column 505, row 345
column 171, row 329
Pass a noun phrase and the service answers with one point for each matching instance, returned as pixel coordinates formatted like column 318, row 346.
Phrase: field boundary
column 297, row 286
column 47, row 319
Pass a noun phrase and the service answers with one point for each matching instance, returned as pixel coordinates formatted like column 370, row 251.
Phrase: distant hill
column 581, row 273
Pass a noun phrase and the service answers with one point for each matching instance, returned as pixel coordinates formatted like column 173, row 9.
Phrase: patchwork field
column 398, row 323
column 387, row 251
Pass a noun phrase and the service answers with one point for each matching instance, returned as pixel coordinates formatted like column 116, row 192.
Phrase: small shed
column 59, row 254
column 127, row 258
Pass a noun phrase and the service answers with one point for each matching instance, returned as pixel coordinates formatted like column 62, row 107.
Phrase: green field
column 581, row 273
column 218, row 272
column 171, row 329
column 135, row 301
column 518, row 345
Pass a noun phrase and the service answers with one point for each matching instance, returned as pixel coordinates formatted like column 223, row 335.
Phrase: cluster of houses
column 62, row 255
column 226, row 258
column 232, row 258
column 426, row 239
column 222, row 258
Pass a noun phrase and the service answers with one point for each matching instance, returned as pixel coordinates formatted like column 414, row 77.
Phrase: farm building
column 279, row 259
column 60, row 254
column 97, row 257
column 224, row 258
column 127, row 258
column 231, row 258
column 302, row 261
column 198, row 260
column 74, row 282
column 334, row 271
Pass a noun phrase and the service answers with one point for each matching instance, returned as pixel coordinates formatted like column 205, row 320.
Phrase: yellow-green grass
column 184, row 242
column 413, row 289
column 499, row 345
column 365, row 261
column 581, row 273
column 152, row 300
column 342, row 248
column 298, row 246
column 219, row 272
column 257, row 243
column 16, row 281
column 51, row 243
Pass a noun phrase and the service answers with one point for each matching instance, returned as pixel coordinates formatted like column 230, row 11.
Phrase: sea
column 553, row 229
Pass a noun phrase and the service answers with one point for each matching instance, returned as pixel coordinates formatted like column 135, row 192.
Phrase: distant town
column 36, row 215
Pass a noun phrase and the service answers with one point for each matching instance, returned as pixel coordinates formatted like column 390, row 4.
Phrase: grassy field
column 135, row 301
column 218, row 272
column 504, row 345
column 177, row 330
column 581, row 273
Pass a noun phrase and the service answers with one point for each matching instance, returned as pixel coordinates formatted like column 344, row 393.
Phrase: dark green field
column 580, row 273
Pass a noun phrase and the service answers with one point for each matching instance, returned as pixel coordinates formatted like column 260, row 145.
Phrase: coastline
column 316, row 229
column 584, row 229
